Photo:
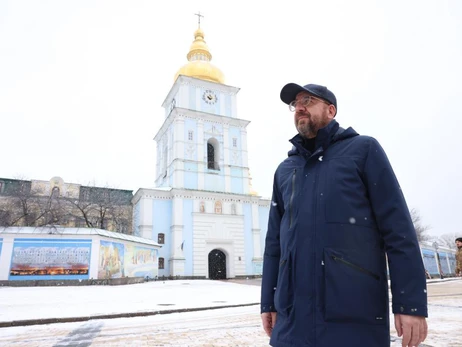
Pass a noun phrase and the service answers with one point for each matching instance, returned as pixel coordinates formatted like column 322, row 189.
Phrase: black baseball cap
column 290, row 91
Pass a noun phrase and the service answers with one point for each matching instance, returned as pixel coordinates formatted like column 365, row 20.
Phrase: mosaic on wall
column 430, row 263
column 50, row 259
column 111, row 260
column 140, row 261
column 117, row 260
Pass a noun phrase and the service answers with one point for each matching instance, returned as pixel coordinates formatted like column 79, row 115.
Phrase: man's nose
column 299, row 107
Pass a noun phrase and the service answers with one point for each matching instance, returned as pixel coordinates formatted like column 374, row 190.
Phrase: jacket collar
column 324, row 138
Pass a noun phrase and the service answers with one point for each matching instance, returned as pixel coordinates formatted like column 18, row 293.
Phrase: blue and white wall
column 29, row 253
column 194, row 223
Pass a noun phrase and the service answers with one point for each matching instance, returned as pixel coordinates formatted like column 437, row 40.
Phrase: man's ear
column 332, row 111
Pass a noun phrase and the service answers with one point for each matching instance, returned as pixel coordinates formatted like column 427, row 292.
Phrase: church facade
column 203, row 211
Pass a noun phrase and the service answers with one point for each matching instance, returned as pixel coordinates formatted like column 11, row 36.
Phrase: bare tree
column 102, row 208
column 5, row 217
column 22, row 206
column 92, row 207
column 420, row 229
column 447, row 240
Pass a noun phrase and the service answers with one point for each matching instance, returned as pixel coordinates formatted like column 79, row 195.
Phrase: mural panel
column 430, row 262
column 444, row 263
column 140, row 261
column 111, row 260
column 50, row 259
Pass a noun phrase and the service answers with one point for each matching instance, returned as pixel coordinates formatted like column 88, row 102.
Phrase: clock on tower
column 209, row 97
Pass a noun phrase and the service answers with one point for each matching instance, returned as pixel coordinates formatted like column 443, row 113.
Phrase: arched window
column 161, row 263
column 212, row 154
column 161, row 238
column 55, row 192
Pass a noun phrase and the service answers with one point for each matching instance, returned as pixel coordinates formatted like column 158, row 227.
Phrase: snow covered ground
column 238, row 326
column 19, row 303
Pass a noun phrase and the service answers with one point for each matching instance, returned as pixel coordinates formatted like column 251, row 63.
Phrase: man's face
column 458, row 244
column 308, row 120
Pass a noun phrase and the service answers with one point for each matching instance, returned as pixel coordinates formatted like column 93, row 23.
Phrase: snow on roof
column 59, row 230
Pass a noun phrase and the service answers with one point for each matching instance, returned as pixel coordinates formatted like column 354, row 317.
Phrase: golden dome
column 199, row 65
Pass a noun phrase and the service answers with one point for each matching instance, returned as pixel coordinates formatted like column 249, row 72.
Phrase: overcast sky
column 82, row 84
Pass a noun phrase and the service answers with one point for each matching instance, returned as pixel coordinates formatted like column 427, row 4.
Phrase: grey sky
column 82, row 83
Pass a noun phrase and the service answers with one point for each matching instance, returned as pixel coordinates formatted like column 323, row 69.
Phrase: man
column 459, row 257
column 337, row 211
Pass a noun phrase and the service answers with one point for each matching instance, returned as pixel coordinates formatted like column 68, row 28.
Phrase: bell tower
column 212, row 224
column 202, row 144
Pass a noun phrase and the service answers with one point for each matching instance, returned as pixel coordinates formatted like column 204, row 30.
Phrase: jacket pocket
column 355, row 290
column 283, row 297
column 345, row 195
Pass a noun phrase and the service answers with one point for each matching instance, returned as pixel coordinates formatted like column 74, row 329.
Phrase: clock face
column 209, row 97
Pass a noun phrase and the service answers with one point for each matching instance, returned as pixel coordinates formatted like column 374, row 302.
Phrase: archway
column 217, row 265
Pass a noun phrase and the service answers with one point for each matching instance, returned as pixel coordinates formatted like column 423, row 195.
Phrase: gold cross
column 199, row 18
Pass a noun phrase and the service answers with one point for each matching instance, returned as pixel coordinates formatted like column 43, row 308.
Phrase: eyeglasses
column 304, row 102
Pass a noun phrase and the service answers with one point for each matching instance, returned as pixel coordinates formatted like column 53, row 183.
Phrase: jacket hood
column 331, row 133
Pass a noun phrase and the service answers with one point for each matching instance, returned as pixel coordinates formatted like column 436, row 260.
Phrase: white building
column 203, row 211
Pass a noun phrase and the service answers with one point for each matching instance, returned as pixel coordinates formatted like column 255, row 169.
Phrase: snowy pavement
column 21, row 303
column 238, row 326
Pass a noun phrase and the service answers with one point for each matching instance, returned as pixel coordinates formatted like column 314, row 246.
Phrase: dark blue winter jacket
column 336, row 214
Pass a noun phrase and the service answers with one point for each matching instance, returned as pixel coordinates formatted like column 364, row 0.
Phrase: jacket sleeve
column 272, row 251
column 407, row 272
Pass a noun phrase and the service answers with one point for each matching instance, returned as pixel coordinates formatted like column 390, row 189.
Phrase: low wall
column 48, row 283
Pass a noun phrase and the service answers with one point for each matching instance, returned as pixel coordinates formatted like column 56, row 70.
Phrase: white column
column 257, row 260
column 234, row 106
column 178, row 153
column 177, row 259
column 200, row 155
column 94, row 258
column 145, row 218
column 226, row 158
column 256, row 232
column 6, row 256
column 245, row 161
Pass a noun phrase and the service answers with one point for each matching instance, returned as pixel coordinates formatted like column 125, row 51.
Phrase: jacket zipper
column 356, row 267
column 292, row 199
column 318, row 151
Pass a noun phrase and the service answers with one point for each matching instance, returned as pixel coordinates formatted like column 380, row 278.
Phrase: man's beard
column 307, row 129
column 310, row 126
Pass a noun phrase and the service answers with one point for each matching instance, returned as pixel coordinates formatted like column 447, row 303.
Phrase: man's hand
column 268, row 319
column 413, row 329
